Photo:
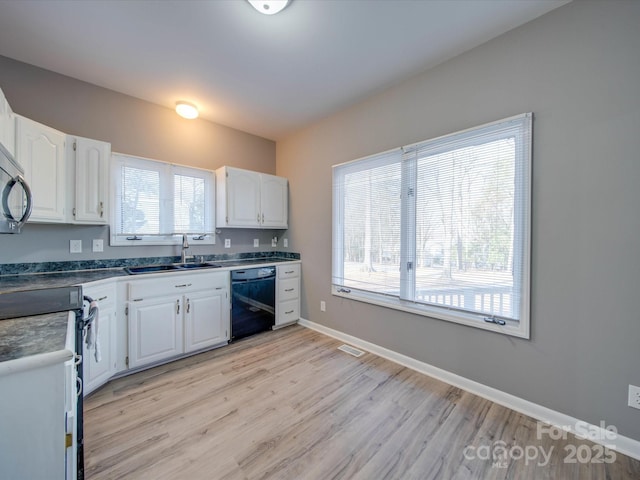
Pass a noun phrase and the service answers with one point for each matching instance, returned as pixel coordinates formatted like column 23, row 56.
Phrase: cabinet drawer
column 105, row 295
column 289, row 271
column 288, row 289
column 288, row 312
column 170, row 284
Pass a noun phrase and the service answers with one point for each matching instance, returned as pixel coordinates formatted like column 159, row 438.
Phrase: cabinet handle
column 103, row 298
column 188, row 305
column 101, row 209
column 289, row 312
column 258, row 219
column 263, row 218
column 289, row 272
column 183, row 285
column 177, row 307
column 219, row 288
column 289, row 289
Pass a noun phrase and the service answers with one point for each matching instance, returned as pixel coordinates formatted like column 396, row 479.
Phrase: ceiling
column 267, row 75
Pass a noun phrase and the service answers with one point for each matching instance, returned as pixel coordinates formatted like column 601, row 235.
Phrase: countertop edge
column 31, row 362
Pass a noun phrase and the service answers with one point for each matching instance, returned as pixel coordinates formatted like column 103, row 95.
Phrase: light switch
column 285, row 242
column 256, row 242
column 227, row 243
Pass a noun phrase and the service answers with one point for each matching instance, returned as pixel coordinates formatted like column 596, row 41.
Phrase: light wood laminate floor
column 289, row 405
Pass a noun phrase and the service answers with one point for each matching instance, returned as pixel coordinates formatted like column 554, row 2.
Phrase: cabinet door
column 98, row 373
column 274, row 201
column 243, row 198
column 40, row 150
column 7, row 126
column 155, row 330
column 91, row 181
column 206, row 319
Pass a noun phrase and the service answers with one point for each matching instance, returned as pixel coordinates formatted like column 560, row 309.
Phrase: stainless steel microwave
column 16, row 195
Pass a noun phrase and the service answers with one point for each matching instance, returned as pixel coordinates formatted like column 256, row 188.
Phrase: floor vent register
column 351, row 350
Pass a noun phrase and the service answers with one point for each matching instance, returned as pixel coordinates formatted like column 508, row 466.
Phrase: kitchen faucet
column 185, row 245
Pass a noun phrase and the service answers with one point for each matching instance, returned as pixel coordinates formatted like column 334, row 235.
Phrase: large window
column 154, row 203
column 441, row 227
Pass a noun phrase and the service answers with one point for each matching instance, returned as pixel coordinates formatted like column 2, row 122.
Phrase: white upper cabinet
column 88, row 180
column 238, row 198
column 7, row 126
column 246, row 199
column 274, row 195
column 41, row 152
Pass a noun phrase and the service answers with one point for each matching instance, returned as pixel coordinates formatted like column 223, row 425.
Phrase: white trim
column 624, row 445
column 515, row 329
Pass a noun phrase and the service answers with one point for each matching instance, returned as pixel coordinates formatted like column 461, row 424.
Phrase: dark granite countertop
column 27, row 336
column 34, row 281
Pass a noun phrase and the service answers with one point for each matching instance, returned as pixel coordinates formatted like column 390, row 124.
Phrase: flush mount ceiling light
column 187, row 110
column 269, row 7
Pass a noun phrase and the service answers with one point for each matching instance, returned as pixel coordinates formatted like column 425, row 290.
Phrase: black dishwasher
column 253, row 299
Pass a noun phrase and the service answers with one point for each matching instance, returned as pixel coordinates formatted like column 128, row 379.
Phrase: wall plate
column 75, row 246
column 97, row 245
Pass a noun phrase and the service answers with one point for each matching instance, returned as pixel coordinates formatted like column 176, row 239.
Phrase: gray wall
column 133, row 127
column 578, row 70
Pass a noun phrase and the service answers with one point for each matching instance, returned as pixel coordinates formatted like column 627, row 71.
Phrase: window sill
column 147, row 241
column 515, row 329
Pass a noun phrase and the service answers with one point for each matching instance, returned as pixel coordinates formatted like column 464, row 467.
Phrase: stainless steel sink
column 151, row 269
column 170, row 267
column 191, row 265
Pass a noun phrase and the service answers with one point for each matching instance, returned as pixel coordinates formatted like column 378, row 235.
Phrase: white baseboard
column 625, row 445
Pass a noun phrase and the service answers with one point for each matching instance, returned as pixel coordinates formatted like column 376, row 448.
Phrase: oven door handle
column 93, row 310
column 251, row 280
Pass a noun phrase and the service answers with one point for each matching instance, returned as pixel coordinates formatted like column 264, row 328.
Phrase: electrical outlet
column 256, row 242
column 227, row 243
column 274, row 242
column 285, row 242
column 75, row 246
column 323, row 306
column 98, row 245
column 634, row 396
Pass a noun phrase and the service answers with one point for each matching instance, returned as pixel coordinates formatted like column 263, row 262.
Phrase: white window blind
column 369, row 244
column 156, row 202
column 440, row 227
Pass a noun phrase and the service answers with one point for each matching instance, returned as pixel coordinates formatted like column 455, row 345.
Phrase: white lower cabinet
column 287, row 294
column 199, row 329
column 170, row 315
column 155, row 330
column 98, row 369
